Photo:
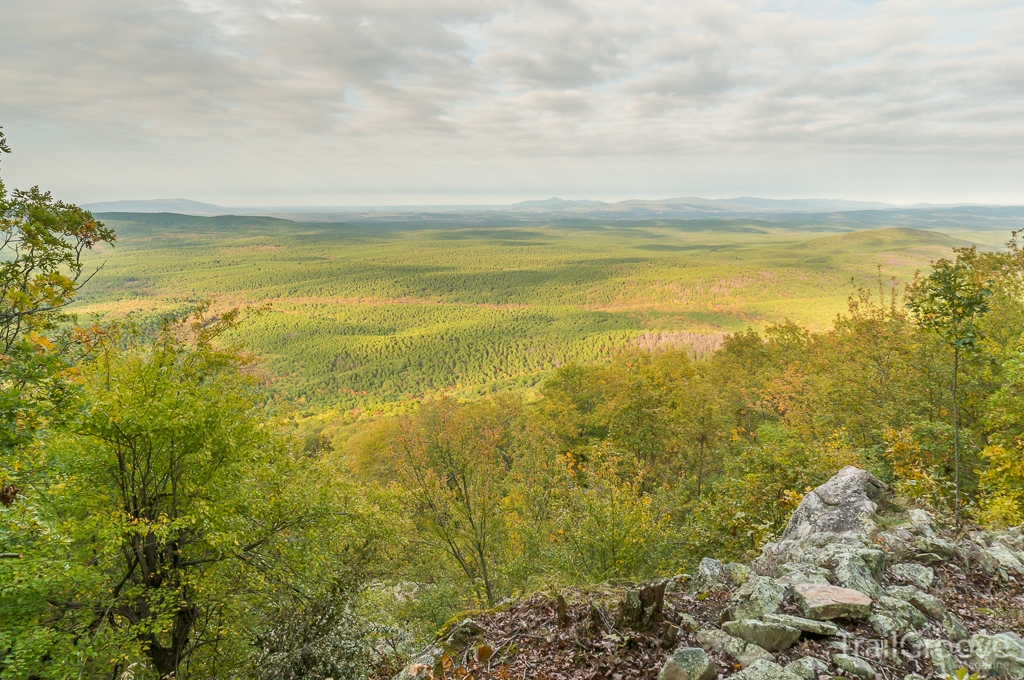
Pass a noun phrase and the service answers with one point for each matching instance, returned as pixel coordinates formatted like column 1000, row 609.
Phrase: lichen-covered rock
column 875, row 561
column 901, row 537
column 794, row 573
column 942, row 659
column 921, row 576
column 708, row 577
column 808, row 667
column 844, row 503
column 771, row 636
column 854, row 665
column 740, row 650
column 760, row 595
column 764, row 669
column 1011, row 538
column 688, row 663
column 998, row 656
column 814, row 557
column 805, row 625
column 935, row 545
column 886, row 625
column 920, row 522
column 736, row 573
column 852, row 572
column 826, row 603
column 913, row 641
column 907, row 614
column 1006, row 560
column 925, row 603
column 955, row 628
column 1001, row 552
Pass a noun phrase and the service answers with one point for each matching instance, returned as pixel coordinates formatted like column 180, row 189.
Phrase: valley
column 365, row 316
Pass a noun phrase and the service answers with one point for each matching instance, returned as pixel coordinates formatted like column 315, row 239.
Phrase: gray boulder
column 765, row 670
column 708, row 577
column 942, row 659
column 908, row 616
column 688, row 663
column 935, row 546
column 925, row 603
column 770, row 636
column 805, row 625
column 886, row 625
column 740, row 650
column 824, row 550
column 736, row 573
column 760, row 595
column 998, row 656
column 1001, row 552
column 798, row 572
column 955, row 628
column 1005, row 559
column 853, row 572
column 844, row 503
column 902, row 536
column 854, row 665
column 808, row 667
column 920, row 522
column 921, row 576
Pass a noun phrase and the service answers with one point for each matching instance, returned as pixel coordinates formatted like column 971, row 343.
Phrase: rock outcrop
column 836, row 594
column 846, row 502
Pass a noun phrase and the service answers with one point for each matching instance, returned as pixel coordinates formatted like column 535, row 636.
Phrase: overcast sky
column 335, row 102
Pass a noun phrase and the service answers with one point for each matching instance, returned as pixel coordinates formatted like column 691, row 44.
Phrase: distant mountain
column 805, row 205
column 753, row 204
column 810, row 212
column 182, row 206
column 557, row 203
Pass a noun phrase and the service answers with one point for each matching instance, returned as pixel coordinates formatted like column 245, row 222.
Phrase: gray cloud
column 336, row 100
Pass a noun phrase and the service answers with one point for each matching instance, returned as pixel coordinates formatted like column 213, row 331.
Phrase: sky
column 390, row 102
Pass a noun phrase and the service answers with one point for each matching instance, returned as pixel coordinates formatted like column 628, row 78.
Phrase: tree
column 168, row 509
column 42, row 242
column 949, row 301
column 455, row 463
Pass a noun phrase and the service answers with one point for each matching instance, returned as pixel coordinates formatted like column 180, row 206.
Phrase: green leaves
column 41, row 246
column 951, row 299
column 167, row 514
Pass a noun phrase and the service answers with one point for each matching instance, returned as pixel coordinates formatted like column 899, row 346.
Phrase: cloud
column 336, row 97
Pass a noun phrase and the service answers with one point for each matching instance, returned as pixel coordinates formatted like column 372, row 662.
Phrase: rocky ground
column 856, row 587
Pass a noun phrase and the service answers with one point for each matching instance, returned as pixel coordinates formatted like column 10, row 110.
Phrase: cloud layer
column 291, row 101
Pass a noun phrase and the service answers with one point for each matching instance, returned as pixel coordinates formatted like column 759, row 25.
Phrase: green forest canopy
column 368, row 315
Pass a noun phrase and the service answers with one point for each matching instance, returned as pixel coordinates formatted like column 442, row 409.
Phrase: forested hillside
column 166, row 510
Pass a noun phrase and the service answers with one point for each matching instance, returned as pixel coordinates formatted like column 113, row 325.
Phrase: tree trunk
column 167, row 659
column 956, row 436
